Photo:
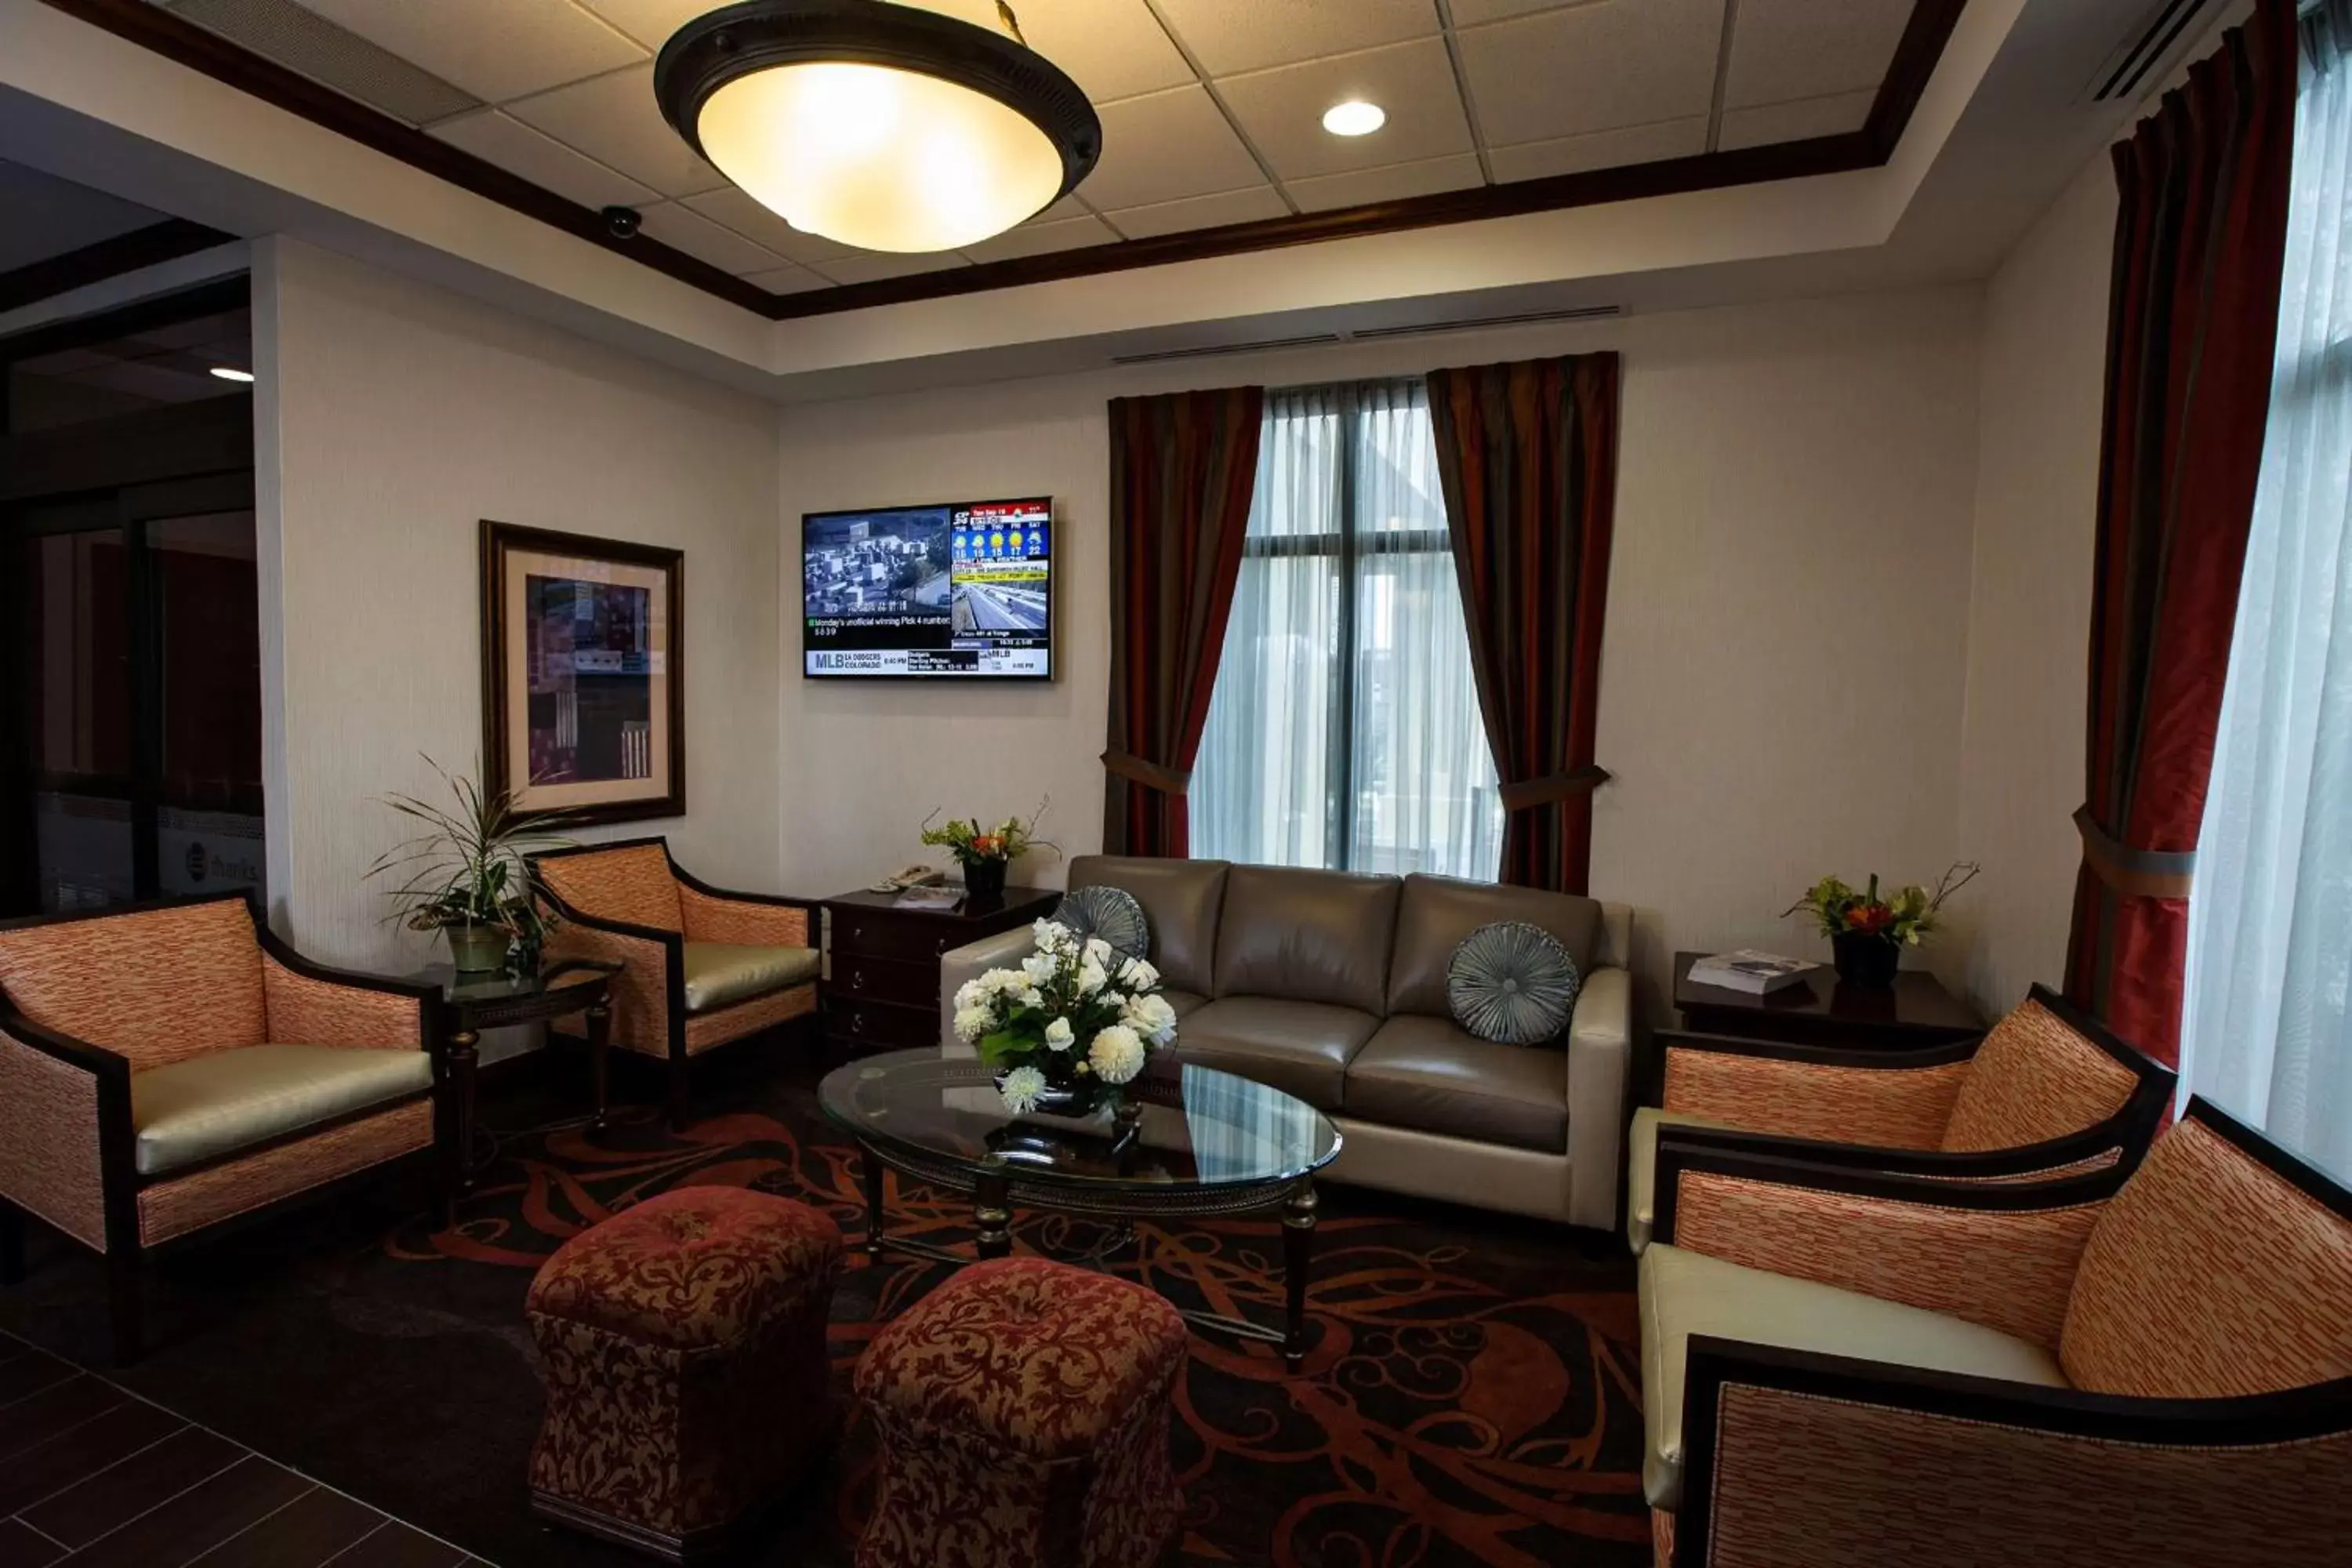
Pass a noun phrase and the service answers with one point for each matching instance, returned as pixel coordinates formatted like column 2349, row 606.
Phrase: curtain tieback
column 1150, row 775
column 2135, row 873
column 1550, row 790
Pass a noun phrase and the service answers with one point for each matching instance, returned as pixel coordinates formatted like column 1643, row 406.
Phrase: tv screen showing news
column 962, row 588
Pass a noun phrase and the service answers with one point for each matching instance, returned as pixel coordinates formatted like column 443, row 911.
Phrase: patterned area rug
column 1472, row 1394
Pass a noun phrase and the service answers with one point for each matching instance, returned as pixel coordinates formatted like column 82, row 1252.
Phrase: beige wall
column 1784, row 664
column 392, row 418
column 2045, row 324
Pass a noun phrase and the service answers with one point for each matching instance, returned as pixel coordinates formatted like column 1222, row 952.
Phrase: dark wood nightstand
column 1915, row 1011
column 882, row 986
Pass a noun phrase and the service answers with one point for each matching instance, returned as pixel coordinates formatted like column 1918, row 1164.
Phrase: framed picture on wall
column 584, row 675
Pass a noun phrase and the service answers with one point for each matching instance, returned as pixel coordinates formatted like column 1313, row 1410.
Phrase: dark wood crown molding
column 1916, row 57
column 110, row 258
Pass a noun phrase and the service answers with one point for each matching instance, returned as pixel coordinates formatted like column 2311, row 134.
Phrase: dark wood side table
column 1915, row 1011
column 470, row 1003
column 882, row 989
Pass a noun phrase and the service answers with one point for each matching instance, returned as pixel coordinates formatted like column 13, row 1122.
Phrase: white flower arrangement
column 1074, row 1015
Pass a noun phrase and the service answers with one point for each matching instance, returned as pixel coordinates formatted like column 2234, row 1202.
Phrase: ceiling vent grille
column 2131, row 70
column 1208, row 351
column 1473, row 323
column 302, row 41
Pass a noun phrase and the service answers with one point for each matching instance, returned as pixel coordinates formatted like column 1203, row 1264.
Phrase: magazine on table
column 1756, row 973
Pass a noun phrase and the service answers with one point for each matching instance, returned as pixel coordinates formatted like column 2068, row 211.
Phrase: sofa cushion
column 1642, row 1168
column 1180, row 900
column 204, row 1106
column 1307, row 936
column 1514, row 984
column 1429, row 1076
column 1302, row 1048
column 1434, row 914
column 721, row 972
column 1111, row 913
column 1184, row 1002
column 1685, row 1293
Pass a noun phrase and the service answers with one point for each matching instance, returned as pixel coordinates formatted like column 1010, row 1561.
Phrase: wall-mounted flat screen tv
column 963, row 589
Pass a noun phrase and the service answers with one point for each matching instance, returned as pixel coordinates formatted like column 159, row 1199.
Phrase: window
column 1344, row 731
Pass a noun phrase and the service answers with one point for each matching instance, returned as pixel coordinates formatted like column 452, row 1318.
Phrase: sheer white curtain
column 2267, row 1032
column 1344, row 730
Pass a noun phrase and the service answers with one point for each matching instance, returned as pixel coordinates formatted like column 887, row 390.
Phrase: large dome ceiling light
column 876, row 125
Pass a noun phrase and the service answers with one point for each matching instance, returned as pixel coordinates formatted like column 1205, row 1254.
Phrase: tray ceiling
column 1210, row 113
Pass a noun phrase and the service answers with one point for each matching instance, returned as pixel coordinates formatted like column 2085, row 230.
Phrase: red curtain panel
column 1526, row 454
column 1183, row 467
column 2192, row 316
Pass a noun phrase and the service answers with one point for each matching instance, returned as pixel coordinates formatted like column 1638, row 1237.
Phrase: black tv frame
column 1053, row 646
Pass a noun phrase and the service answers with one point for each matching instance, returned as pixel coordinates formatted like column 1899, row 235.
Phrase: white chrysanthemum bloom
column 1032, row 998
column 1040, row 968
column 1052, row 936
column 970, row 1023
column 1091, row 978
column 1020, row 1088
column 1117, row 1053
column 971, row 993
column 1097, row 952
column 1152, row 1017
column 1059, row 1035
column 996, row 982
column 1140, row 973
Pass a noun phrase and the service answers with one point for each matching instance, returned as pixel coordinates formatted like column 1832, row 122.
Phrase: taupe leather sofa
column 1332, row 987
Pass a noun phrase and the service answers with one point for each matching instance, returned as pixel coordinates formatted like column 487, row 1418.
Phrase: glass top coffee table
column 1187, row 1141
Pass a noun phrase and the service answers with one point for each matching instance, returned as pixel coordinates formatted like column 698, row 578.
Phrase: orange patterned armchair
column 702, row 967
column 1845, row 1367
column 2047, row 1089
column 168, row 1068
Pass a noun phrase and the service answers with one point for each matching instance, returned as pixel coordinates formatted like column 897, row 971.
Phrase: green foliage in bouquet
column 1840, row 909
column 1074, row 1014
column 969, row 842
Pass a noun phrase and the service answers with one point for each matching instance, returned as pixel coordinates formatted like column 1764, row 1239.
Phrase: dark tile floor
column 93, row 1476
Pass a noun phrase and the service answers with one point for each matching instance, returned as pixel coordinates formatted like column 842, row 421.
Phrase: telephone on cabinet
column 915, row 876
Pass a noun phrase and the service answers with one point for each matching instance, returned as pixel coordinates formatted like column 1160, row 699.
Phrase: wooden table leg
column 992, row 1208
column 871, row 1169
column 1298, row 1251
column 600, row 1046
column 12, row 1243
column 463, row 1056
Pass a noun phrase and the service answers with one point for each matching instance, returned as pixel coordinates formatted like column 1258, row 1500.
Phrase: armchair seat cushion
column 721, row 974
column 1642, row 1168
column 1429, row 1075
column 1685, row 1293
column 213, row 1104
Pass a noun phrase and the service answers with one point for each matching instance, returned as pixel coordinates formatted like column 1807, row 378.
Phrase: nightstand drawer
column 860, row 976
column 874, row 933
column 879, row 1024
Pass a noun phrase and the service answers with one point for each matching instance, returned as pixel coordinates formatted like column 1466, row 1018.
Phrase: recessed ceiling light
column 1354, row 117
column 228, row 373
column 883, row 127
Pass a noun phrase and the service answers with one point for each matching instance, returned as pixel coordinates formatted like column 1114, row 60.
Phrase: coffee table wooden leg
column 992, row 1209
column 463, row 1056
column 1298, row 1252
column 872, row 1172
column 599, row 1048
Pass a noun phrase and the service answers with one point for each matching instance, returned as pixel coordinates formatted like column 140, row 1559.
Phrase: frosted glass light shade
column 880, row 157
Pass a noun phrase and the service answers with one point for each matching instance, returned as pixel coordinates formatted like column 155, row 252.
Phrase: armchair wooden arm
column 649, row 993
column 313, row 1003
column 759, row 919
column 2003, row 1254
column 1794, row 1456
column 1890, row 1100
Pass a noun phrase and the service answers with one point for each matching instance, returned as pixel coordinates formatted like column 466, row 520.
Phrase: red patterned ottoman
column 684, row 1348
column 1023, row 1409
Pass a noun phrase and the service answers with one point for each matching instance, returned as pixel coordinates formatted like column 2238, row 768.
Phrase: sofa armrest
column 2003, row 1254
column 1780, row 1443
column 1005, row 950
column 1897, row 1099
column 62, row 1102
column 755, row 919
column 1600, row 1060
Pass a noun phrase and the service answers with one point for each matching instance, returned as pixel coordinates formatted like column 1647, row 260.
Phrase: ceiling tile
column 494, row 52
column 675, row 224
column 1166, row 146
column 1770, row 122
column 1592, row 68
column 1599, row 149
column 1039, row 238
column 651, row 22
column 1067, row 207
column 1251, row 206
column 763, row 226
column 1281, row 110
column 1111, row 49
column 1360, row 185
column 872, row 265
column 1230, row 36
column 517, row 149
column 612, row 119
column 1784, row 50
column 788, row 280
column 1471, row 13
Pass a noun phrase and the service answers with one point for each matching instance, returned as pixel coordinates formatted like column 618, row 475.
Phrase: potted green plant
column 985, row 853
column 467, row 876
column 1867, row 933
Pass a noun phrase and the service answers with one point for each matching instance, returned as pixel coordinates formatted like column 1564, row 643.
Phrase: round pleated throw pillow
column 1110, row 914
column 1512, row 983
